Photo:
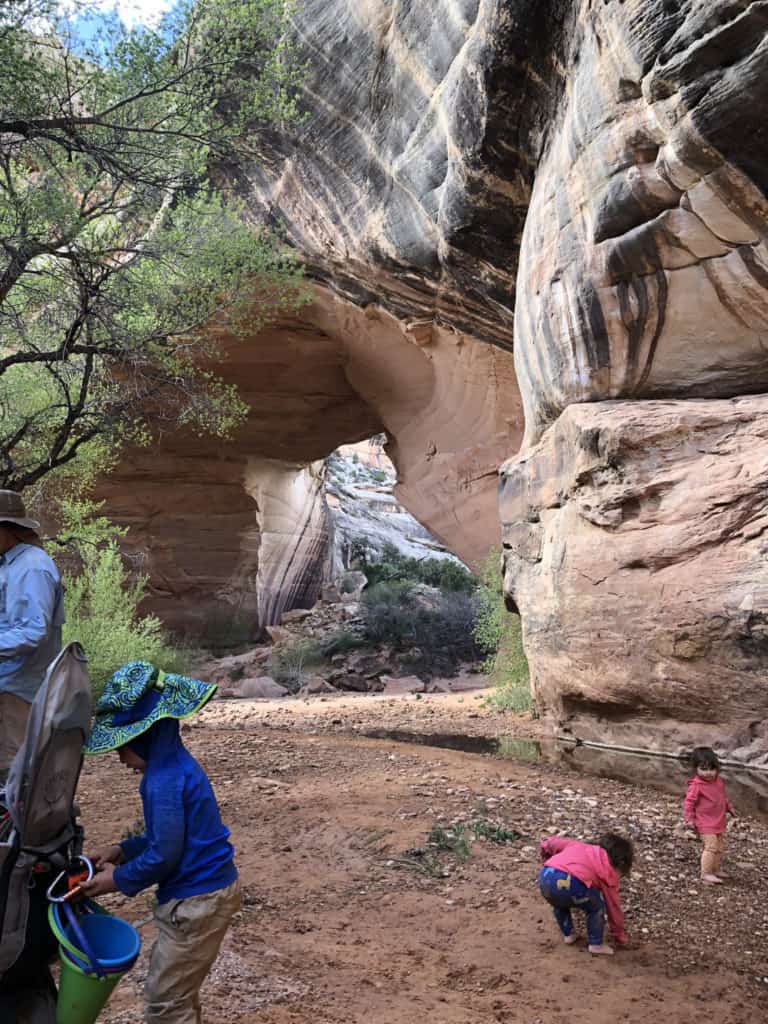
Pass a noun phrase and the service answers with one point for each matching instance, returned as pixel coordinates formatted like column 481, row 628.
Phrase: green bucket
column 82, row 996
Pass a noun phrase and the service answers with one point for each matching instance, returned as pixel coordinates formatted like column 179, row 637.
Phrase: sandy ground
column 468, row 713
column 342, row 924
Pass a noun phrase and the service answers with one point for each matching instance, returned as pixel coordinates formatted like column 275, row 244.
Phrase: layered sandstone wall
column 633, row 529
column 584, row 181
column 636, row 536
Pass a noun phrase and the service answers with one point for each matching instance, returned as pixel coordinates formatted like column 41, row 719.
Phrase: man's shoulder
column 32, row 557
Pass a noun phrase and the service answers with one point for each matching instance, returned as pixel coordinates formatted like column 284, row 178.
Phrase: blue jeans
column 565, row 892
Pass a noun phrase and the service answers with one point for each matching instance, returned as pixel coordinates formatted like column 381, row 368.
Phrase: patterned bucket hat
column 137, row 696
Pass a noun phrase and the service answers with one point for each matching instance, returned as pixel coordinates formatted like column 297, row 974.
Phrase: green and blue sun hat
column 137, row 696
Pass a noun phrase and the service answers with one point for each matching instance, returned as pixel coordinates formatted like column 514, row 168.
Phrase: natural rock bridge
column 582, row 183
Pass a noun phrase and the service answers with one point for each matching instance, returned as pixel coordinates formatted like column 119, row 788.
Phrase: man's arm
column 31, row 613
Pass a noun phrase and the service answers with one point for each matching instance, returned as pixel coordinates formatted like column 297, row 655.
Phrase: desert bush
column 339, row 642
column 388, row 615
column 101, row 604
column 292, row 661
column 499, row 633
column 393, row 566
column 437, row 639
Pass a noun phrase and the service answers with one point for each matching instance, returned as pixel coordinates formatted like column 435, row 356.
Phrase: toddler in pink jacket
column 705, row 809
column 583, row 876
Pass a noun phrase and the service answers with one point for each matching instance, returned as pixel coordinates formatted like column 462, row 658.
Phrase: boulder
column 295, row 615
column 351, row 681
column 401, row 686
column 635, row 546
column 311, row 684
column 279, row 635
column 351, row 585
column 233, row 667
column 259, row 688
column 367, row 665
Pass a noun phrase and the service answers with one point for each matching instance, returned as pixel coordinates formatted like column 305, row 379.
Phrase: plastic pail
column 113, row 942
column 115, row 945
column 82, row 996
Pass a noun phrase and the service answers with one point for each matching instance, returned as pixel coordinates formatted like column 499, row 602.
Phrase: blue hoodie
column 185, row 849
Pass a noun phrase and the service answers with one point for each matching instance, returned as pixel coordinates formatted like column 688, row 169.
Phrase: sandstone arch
column 243, row 525
column 585, row 182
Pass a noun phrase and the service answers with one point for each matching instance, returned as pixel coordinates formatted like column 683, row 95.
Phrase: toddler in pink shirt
column 705, row 809
column 585, row 876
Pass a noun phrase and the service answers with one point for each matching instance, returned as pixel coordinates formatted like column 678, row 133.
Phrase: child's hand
column 106, row 855
column 101, row 883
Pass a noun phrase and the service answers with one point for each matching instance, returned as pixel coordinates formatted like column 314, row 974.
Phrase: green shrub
column 226, row 629
column 437, row 638
column 101, row 605
column 388, row 614
column 339, row 642
column 444, row 573
column 291, row 661
column 452, row 839
column 499, row 633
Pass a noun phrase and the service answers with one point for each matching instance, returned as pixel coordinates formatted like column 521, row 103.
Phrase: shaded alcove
column 235, row 532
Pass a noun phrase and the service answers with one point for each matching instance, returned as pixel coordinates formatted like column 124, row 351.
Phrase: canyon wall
column 234, row 533
column 582, row 182
column 634, row 528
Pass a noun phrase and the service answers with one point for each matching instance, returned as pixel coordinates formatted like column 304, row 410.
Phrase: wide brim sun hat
column 137, row 696
column 12, row 510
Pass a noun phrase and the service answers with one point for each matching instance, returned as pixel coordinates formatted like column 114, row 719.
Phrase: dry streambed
column 351, row 914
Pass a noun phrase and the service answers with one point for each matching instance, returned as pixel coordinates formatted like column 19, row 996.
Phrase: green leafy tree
column 392, row 566
column 122, row 265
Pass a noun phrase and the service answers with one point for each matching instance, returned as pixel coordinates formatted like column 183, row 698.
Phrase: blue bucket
column 114, row 942
column 96, row 940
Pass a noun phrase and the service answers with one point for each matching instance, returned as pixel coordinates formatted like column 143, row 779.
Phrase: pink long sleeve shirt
column 591, row 866
column 706, row 805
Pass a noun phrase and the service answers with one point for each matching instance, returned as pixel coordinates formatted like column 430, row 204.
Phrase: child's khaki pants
column 712, row 853
column 189, row 933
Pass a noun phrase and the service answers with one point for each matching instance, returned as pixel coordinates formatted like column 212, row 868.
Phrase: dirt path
column 341, row 925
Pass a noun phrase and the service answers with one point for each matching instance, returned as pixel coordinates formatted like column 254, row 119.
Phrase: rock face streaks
column 633, row 529
column 585, row 182
column 406, row 187
column 644, row 260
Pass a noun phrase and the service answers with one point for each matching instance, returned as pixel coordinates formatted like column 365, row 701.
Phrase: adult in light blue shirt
column 31, row 617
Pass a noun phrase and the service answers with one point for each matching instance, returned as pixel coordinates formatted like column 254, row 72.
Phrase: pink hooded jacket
column 591, row 866
column 706, row 805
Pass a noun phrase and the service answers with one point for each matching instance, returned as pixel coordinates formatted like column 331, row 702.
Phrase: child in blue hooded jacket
column 185, row 849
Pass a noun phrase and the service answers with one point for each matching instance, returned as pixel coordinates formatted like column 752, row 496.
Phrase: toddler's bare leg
column 709, row 860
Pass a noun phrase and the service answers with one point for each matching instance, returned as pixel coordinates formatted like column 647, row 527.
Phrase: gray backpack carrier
column 39, row 834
